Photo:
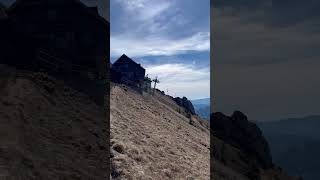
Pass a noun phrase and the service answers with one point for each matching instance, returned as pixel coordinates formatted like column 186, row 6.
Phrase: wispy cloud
column 144, row 9
column 159, row 46
column 152, row 27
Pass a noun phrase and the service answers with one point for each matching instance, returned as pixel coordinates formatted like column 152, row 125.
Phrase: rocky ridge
column 239, row 132
column 240, row 150
column 184, row 102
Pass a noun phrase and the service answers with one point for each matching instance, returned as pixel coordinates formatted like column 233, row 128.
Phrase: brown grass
column 49, row 131
column 159, row 142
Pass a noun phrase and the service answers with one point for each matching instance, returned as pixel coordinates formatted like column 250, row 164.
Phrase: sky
column 171, row 40
column 266, row 58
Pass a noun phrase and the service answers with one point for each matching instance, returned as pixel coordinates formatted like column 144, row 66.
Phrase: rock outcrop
column 241, row 133
column 240, row 150
column 184, row 102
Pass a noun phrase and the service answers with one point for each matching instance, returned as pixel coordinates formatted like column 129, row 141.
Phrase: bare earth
column 151, row 140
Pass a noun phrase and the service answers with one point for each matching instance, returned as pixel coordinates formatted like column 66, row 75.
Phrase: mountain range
column 294, row 143
column 202, row 107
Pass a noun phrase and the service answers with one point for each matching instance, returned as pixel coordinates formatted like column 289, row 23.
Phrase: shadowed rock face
column 239, row 132
column 184, row 102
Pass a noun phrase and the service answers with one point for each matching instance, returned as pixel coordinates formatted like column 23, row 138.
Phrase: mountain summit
column 240, row 150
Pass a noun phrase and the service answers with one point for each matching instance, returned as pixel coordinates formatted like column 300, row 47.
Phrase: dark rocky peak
column 237, row 131
column 239, row 116
column 184, row 102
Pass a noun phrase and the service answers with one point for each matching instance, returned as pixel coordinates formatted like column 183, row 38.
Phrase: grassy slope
column 151, row 140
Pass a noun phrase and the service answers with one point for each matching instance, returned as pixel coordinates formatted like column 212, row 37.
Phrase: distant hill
column 307, row 126
column 294, row 143
column 202, row 107
column 205, row 101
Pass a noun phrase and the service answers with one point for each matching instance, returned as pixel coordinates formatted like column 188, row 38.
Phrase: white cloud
column 144, row 9
column 147, row 24
column 160, row 28
column 182, row 80
column 158, row 46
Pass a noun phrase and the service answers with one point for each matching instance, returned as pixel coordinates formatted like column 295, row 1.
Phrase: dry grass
column 150, row 140
column 49, row 131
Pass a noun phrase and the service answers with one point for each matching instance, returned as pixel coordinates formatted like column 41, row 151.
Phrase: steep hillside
column 48, row 130
column 153, row 138
column 150, row 139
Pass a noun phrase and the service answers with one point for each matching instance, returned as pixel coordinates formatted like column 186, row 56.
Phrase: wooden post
column 155, row 83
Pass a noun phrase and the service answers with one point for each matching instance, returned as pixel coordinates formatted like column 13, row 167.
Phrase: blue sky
column 170, row 38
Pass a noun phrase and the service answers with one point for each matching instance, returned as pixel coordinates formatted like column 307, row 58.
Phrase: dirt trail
column 152, row 141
